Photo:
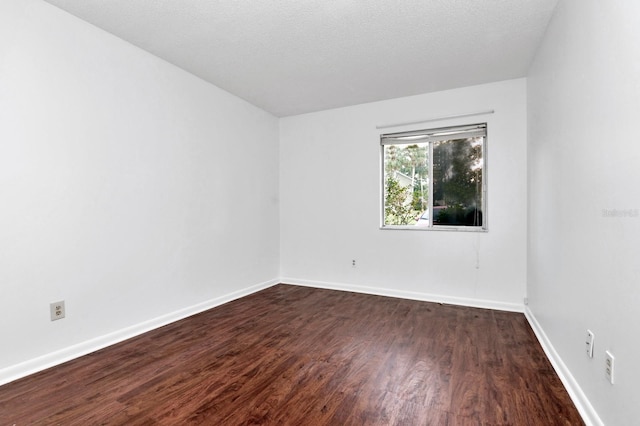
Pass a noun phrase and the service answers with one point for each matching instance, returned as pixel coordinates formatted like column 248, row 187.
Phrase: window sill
column 436, row 229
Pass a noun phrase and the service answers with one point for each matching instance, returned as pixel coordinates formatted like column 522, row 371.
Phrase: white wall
column 584, row 157
column 330, row 180
column 128, row 188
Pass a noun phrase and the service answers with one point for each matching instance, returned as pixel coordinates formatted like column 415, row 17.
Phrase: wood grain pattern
column 292, row 355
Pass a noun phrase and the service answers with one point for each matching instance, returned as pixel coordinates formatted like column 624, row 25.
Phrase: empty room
column 336, row 212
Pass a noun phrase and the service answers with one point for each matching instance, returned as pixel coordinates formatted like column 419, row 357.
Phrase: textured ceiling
column 295, row 56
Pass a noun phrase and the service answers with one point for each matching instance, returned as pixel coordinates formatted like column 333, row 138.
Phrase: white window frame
column 431, row 136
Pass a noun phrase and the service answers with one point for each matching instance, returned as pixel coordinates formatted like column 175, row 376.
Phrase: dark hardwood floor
column 300, row 356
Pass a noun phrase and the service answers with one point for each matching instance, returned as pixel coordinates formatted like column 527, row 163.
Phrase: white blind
column 434, row 135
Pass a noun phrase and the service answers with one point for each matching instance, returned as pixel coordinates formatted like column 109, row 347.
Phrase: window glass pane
column 457, row 182
column 406, row 184
column 434, row 178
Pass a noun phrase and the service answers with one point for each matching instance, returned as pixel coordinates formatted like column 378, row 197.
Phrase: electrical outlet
column 589, row 342
column 353, row 263
column 57, row 310
column 609, row 358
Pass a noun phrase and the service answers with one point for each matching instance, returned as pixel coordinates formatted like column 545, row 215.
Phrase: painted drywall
column 129, row 188
column 330, row 179
column 584, row 197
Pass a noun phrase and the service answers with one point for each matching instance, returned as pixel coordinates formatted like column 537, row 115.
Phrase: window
column 435, row 179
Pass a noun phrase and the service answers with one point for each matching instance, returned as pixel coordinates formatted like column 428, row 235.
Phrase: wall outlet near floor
column 609, row 358
column 589, row 343
column 353, row 263
column 57, row 310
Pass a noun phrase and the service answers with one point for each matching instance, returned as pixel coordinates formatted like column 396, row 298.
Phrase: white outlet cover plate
column 589, row 343
column 57, row 310
column 609, row 366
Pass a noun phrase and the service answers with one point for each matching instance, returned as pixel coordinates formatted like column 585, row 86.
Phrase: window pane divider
column 430, row 171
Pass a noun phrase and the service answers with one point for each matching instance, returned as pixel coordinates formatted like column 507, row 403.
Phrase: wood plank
column 294, row 355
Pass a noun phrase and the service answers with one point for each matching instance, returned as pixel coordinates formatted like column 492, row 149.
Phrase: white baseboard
column 586, row 410
column 34, row 365
column 425, row 297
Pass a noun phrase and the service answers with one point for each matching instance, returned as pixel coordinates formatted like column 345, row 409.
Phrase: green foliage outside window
column 397, row 209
